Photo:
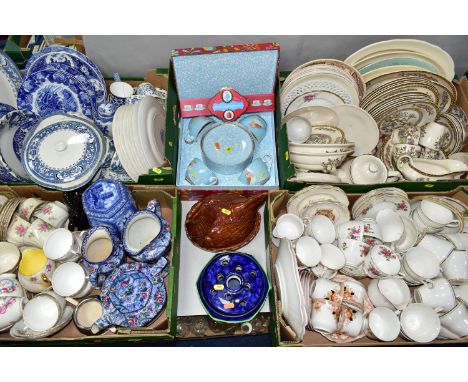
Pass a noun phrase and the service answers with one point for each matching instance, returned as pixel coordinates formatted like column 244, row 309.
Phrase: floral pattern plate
column 232, row 287
column 10, row 80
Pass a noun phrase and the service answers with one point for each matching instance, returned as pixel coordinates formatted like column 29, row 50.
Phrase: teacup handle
column 45, row 279
column 154, row 206
column 396, row 174
column 267, row 159
column 213, row 180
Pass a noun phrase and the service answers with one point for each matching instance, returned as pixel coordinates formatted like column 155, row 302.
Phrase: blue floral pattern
column 133, row 295
column 11, row 73
column 5, row 109
column 22, row 122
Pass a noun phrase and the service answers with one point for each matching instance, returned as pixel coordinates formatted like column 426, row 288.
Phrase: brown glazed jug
column 224, row 222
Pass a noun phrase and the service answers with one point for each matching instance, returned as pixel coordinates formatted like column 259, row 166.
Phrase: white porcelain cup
column 456, row 320
column 371, row 228
column 54, row 213
column 17, row 230
column 43, row 311
column 332, row 257
column 436, row 213
column 439, row 295
column 308, row 251
column 63, row 245
column 71, row 280
column 382, row 324
column 353, row 292
column 28, row 206
column 419, row 266
column 9, row 257
column 351, row 320
column 434, row 136
column 353, row 229
column 455, row 267
column 322, row 229
column 326, row 289
column 392, row 293
column 355, row 251
column 289, row 226
column 321, row 271
column 420, row 323
column 324, row 317
column 461, row 291
column 459, row 240
column 11, row 310
column 37, row 233
column 382, row 262
column 390, row 224
column 437, row 246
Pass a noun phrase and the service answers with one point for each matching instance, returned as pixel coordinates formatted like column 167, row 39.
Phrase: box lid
column 202, row 72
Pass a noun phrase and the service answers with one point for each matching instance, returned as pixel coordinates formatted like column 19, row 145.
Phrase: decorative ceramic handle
column 154, row 206
column 394, row 174
column 101, row 324
column 46, row 279
column 213, row 180
column 116, row 77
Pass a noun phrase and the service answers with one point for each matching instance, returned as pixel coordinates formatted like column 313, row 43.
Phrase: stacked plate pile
column 411, row 97
column 61, row 79
column 138, row 132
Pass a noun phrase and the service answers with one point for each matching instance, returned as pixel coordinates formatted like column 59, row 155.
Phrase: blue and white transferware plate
column 6, row 173
column 133, row 295
column 10, row 80
column 49, row 91
column 232, row 287
column 227, row 148
column 63, row 152
column 13, row 128
column 72, row 58
column 5, row 109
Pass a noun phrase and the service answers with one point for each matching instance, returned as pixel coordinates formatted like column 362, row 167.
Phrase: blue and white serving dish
column 63, row 152
column 108, row 203
column 133, row 295
column 10, row 80
column 232, row 287
column 147, row 235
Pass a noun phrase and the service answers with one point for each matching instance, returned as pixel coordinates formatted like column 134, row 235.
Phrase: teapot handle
column 101, row 324
column 154, row 206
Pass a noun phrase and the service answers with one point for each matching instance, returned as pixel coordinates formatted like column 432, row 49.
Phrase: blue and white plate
column 10, row 80
column 72, row 58
column 5, row 109
column 13, row 128
column 49, row 91
column 63, row 152
column 6, row 174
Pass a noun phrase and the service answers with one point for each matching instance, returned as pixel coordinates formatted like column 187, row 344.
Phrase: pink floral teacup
column 28, row 206
column 354, row 229
column 17, row 231
column 53, row 213
column 37, row 233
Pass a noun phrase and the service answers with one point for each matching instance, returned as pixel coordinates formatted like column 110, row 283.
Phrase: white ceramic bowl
column 390, row 224
column 41, row 313
column 298, row 129
column 308, row 251
column 384, row 324
column 332, row 257
column 420, row 323
column 9, row 257
column 323, row 229
column 68, row 279
column 289, row 226
column 421, row 264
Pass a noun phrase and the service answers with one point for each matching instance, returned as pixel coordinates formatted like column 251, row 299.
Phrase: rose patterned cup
column 381, row 262
column 11, row 311
column 17, row 230
column 53, row 213
column 353, row 229
column 355, row 251
column 28, row 206
column 37, row 233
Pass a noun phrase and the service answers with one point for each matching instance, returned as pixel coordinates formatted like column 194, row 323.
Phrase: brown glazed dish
column 224, row 222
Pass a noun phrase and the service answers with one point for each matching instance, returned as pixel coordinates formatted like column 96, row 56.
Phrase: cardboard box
column 164, row 327
column 287, row 171
column 283, row 335
column 192, row 260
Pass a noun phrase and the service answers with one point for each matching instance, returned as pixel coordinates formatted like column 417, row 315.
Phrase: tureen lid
column 63, row 152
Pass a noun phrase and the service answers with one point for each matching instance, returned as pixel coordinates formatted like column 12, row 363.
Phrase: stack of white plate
column 138, row 132
column 321, row 83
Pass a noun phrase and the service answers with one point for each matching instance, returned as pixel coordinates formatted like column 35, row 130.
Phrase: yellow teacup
column 35, row 270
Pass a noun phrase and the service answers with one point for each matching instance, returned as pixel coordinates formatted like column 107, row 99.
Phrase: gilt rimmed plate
column 359, row 127
column 320, row 98
column 63, row 152
column 10, row 80
column 151, row 126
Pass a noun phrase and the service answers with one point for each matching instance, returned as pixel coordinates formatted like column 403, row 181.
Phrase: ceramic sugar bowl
column 133, row 295
column 147, row 235
column 108, row 203
column 102, row 252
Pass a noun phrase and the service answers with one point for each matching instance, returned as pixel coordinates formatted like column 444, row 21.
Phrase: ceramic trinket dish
column 224, row 221
column 147, row 235
column 108, row 203
column 133, row 295
column 232, row 287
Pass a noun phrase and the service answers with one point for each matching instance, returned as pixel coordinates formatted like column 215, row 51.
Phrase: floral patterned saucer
column 232, row 287
column 133, row 295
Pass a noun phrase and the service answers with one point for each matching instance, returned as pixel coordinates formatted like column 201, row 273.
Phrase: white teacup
column 71, row 280
column 9, row 257
column 419, row 266
column 381, row 262
column 353, row 229
column 322, row 228
column 436, row 213
column 54, row 213
column 382, row 324
column 434, row 136
column 437, row 246
column 11, row 311
column 371, row 228
column 353, row 292
column 332, row 257
column 459, row 240
column 392, row 293
column 420, row 323
column 17, row 230
column 37, row 233
column 28, row 206
column 351, row 321
column 439, row 295
column 390, row 224
column 355, row 251
column 43, row 311
column 63, row 245
column 455, row 267
column 326, row 289
column 308, row 251
column 289, row 226
column 324, row 317
column 461, row 291
column 456, row 320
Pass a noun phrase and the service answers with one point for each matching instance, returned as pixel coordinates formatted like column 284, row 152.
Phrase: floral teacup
column 382, row 262
column 406, row 135
column 11, row 311
column 28, row 206
column 10, row 286
column 17, row 231
column 37, row 233
column 257, row 172
column 351, row 321
column 54, row 213
column 35, row 270
column 255, row 124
